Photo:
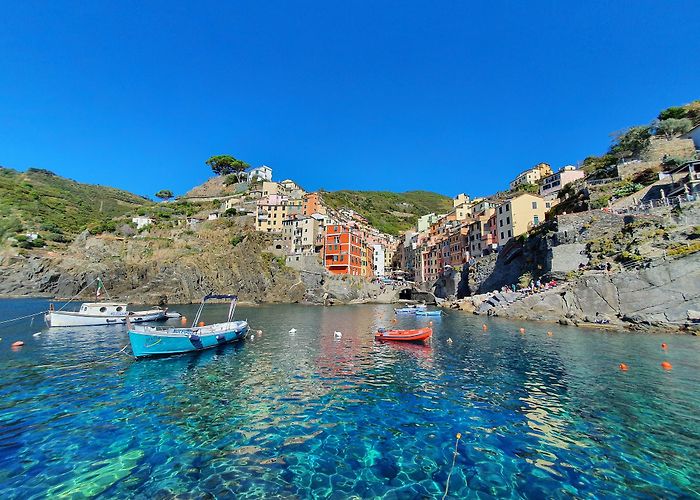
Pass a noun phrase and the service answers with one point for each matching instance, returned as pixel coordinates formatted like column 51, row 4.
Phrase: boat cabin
column 104, row 308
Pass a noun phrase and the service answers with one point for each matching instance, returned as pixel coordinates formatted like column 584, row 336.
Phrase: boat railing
column 216, row 327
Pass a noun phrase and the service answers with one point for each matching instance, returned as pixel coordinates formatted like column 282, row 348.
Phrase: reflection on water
column 310, row 414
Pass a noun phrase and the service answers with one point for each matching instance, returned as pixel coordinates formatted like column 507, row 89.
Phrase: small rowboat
column 420, row 335
column 410, row 309
column 429, row 313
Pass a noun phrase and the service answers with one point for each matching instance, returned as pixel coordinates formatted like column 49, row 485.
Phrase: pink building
column 551, row 185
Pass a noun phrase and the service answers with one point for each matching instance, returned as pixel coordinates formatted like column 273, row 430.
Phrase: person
column 608, row 267
column 512, row 287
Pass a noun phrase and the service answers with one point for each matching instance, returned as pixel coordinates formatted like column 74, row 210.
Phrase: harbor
column 312, row 414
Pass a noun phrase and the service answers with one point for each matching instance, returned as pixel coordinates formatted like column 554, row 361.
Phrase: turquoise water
column 309, row 415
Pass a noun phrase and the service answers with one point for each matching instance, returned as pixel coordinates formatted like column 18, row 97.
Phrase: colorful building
column 552, row 184
column 532, row 175
column 519, row 214
column 345, row 251
column 312, row 204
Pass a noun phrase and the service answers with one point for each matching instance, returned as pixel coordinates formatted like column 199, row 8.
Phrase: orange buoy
column 19, row 343
column 549, row 334
column 664, row 346
column 624, row 367
column 522, row 330
column 484, row 327
column 201, row 323
column 666, row 365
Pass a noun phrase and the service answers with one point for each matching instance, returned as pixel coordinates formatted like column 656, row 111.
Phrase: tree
column 672, row 127
column 631, row 141
column 226, row 165
column 164, row 194
column 676, row 112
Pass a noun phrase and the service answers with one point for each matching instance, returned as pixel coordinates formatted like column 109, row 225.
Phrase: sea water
column 314, row 415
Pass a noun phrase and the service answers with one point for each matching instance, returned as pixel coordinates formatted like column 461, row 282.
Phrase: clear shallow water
column 309, row 415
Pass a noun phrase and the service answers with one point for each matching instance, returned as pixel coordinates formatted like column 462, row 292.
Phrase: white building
column 262, row 173
column 378, row 260
column 141, row 221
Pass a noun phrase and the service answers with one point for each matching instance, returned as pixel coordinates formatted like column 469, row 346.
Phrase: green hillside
column 55, row 207
column 389, row 212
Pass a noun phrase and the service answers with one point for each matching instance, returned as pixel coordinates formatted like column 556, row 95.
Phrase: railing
column 597, row 182
column 662, row 202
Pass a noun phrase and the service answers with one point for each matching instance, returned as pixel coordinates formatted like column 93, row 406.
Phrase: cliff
column 654, row 277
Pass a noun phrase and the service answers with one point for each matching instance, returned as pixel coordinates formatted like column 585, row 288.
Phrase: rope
column 454, row 459
column 21, row 317
column 99, row 360
column 42, row 312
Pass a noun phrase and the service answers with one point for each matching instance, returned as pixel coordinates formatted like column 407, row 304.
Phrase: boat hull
column 428, row 313
column 150, row 341
column 70, row 318
column 420, row 335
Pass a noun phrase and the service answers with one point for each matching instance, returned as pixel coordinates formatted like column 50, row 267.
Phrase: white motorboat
column 101, row 313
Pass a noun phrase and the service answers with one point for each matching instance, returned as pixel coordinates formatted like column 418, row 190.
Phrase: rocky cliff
column 177, row 265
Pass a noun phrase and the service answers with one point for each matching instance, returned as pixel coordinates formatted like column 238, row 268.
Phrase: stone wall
column 652, row 156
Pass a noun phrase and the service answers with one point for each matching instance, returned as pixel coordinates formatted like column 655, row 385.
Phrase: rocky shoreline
column 663, row 296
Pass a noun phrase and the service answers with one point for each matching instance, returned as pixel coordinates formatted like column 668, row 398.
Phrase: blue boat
column 429, row 313
column 159, row 341
column 410, row 309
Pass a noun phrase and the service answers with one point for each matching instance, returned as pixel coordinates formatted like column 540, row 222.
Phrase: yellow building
column 519, row 214
column 532, row 175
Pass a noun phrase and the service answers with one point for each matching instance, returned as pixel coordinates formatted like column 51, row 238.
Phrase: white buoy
column 449, row 340
column 252, row 337
column 338, row 334
column 293, row 331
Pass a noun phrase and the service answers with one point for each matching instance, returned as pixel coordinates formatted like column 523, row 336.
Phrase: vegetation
column 389, row 212
column 42, row 202
column 630, row 142
column 227, row 165
column 673, row 126
column 690, row 111
column 164, row 194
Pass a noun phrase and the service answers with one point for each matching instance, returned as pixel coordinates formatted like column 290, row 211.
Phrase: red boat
column 420, row 335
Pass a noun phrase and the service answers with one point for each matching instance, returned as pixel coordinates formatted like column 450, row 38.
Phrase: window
column 501, row 222
column 509, row 235
column 535, row 220
column 500, row 210
column 502, row 235
column 507, row 220
column 103, row 309
column 119, row 308
column 548, row 205
column 507, row 207
column 534, row 205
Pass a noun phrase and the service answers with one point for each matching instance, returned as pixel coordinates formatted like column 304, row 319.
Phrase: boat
column 101, row 313
column 419, row 335
column 173, row 315
column 159, row 341
column 437, row 312
column 412, row 309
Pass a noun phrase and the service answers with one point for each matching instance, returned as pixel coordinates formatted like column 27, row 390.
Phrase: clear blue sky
column 443, row 96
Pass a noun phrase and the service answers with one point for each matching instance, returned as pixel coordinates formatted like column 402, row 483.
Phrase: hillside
column 55, row 207
column 389, row 212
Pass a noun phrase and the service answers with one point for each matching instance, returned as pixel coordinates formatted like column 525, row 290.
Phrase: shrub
column 237, row 239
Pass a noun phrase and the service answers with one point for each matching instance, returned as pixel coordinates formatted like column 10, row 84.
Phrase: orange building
column 344, row 251
column 312, row 204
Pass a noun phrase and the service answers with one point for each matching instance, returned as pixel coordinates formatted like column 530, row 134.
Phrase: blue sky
column 443, row 96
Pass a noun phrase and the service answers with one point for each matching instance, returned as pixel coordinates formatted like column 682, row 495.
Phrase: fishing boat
column 158, row 341
column 412, row 309
column 419, row 335
column 437, row 312
column 101, row 313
